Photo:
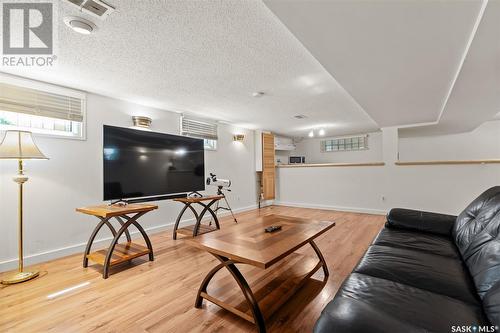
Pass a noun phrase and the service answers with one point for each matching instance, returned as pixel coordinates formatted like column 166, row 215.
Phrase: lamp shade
column 19, row 145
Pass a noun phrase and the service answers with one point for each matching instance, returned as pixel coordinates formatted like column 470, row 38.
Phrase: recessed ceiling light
column 321, row 132
column 258, row 94
column 80, row 25
column 311, row 134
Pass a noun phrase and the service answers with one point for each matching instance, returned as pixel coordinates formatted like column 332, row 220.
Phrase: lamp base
column 20, row 277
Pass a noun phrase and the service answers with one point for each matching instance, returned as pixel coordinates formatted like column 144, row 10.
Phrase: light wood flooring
column 159, row 296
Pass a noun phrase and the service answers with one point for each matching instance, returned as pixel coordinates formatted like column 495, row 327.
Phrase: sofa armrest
column 422, row 221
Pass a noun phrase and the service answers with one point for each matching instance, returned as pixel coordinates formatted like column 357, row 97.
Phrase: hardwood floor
column 159, row 296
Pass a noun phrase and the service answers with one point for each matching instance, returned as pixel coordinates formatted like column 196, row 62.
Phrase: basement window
column 41, row 108
column 201, row 129
column 210, row 144
column 345, row 144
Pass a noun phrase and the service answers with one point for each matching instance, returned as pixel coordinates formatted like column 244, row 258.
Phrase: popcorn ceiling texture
column 349, row 66
column 207, row 58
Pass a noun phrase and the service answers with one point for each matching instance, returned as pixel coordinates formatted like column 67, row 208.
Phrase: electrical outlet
column 383, row 198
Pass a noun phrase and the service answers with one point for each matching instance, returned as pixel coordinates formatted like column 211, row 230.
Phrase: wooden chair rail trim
column 447, row 162
column 330, row 165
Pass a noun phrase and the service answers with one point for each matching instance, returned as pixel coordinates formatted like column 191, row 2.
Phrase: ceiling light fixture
column 311, row 134
column 321, row 132
column 80, row 25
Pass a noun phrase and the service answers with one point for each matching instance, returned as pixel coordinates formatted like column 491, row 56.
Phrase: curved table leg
column 195, row 213
column 104, row 221
column 107, row 260
column 204, row 285
column 179, row 220
column 146, row 239
column 144, row 235
column 110, row 226
column 206, row 207
column 127, row 234
column 321, row 258
column 242, row 283
column 176, row 226
column 215, row 211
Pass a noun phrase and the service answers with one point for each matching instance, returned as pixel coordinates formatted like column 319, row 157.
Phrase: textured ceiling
column 205, row 58
column 398, row 59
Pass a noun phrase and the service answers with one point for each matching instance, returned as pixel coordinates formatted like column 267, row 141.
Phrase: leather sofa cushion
column 483, row 257
column 477, row 236
column 370, row 304
column 421, row 241
column 435, row 273
column 421, row 221
column 475, row 217
column 491, row 303
column 347, row 315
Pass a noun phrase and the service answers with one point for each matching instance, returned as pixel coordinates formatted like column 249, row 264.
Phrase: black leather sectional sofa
column 425, row 272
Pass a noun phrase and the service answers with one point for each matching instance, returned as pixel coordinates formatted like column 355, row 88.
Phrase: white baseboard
column 266, row 203
column 98, row 243
column 329, row 207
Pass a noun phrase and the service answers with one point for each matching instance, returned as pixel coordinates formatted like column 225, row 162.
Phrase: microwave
column 296, row 159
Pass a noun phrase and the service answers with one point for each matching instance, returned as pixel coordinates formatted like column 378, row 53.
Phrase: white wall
column 441, row 188
column 482, row 143
column 73, row 178
column 311, row 149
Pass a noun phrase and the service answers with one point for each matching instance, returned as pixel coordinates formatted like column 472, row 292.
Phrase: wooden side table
column 117, row 253
column 197, row 228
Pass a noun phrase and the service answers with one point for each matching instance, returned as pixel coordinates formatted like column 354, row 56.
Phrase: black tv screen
column 140, row 163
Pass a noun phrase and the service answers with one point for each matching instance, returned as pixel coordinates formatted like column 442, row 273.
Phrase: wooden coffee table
column 280, row 270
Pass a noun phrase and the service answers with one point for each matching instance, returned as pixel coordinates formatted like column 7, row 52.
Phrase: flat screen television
column 140, row 163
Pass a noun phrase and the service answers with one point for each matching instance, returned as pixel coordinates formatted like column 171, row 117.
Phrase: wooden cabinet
column 268, row 169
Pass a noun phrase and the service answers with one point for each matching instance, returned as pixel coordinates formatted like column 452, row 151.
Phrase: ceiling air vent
column 300, row 116
column 97, row 8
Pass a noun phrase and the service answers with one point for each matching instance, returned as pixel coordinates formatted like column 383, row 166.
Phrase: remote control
column 273, row 228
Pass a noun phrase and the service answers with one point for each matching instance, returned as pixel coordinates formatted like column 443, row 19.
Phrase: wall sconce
column 141, row 121
column 238, row 137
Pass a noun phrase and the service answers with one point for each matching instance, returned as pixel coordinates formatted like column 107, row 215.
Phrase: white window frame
column 50, row 88
column 206, row 145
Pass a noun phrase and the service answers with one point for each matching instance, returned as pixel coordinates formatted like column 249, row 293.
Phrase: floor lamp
column 19, row 145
